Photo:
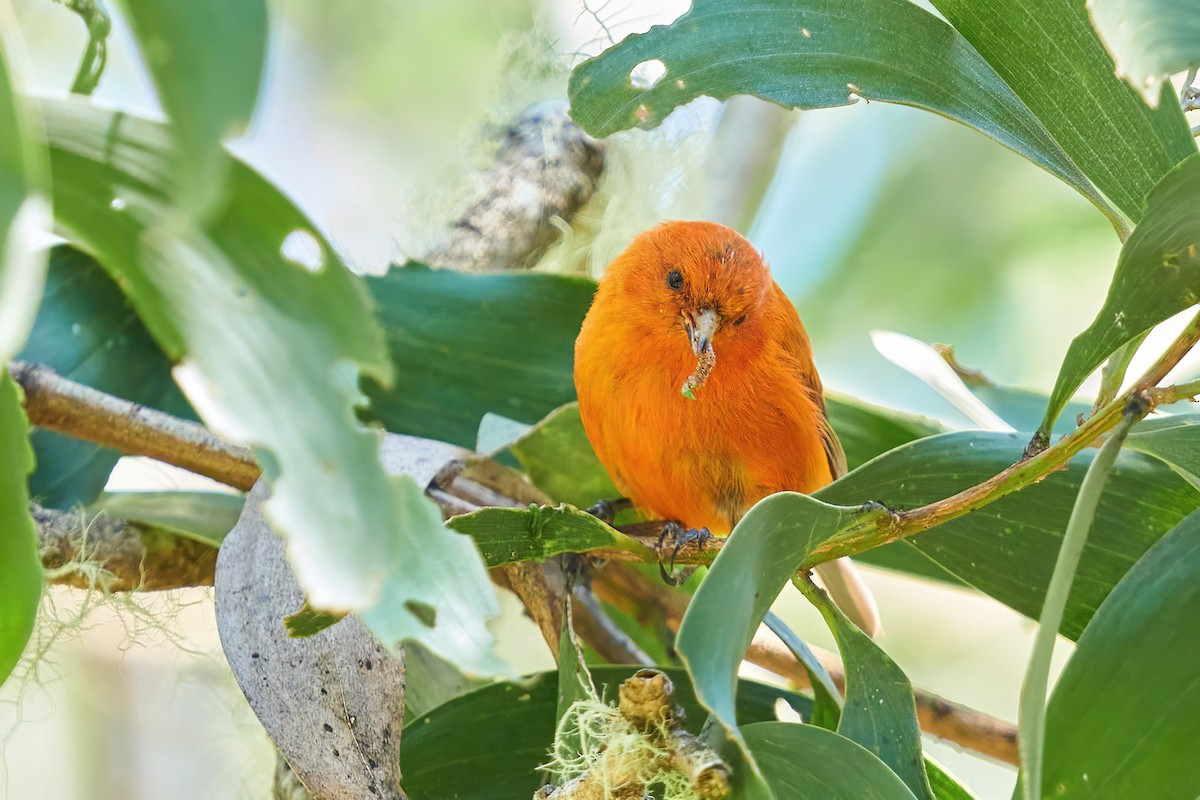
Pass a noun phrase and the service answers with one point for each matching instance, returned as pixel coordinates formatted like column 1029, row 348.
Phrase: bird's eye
column 675, row 279
column 740, row 320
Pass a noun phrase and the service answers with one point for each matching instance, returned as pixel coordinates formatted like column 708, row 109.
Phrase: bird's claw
column 606, row 510
column 681, row 538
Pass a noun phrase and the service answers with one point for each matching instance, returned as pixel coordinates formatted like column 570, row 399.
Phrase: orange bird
column 698, row 391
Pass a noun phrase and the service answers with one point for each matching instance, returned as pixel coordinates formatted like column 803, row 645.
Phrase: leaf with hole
column 225, row 302
column 1150, row 40
column 812, row 54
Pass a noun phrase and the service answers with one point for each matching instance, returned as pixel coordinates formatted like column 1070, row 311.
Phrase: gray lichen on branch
column 547, row 167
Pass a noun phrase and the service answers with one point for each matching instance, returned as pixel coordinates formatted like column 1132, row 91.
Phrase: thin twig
column 58, row 404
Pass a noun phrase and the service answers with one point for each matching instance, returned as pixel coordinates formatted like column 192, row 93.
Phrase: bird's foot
column 680, row 538
column 879, row 507
column 606, row 510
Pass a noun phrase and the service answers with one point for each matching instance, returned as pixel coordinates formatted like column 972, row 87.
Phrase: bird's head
column 697, row 285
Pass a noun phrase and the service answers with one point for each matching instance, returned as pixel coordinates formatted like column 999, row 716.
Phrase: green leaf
column 430, row 681
column 1138, row 655
column 1032, row 709
column 1149, row 39
column 574, row 685
column 1158, row 275
column 827, row 700
column 203, row 516
column 206, row 60
column 813, row 54
column 1175, row 440
column 880, row 711
column 470, row 344
column 20, row 565
column 23, row 208
column 488, row 744
column 87, row 332
column 509, row 535
column 559, row 460
column 1048, row 53
column 1007, row 548
column 804, row 762
column 235, row 311
column 759, row 556
column 867, row 430
column 308, row 621
column 945, row 786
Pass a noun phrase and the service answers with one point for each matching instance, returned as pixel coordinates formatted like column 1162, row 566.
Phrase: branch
column 118, row 556
column 61, row 405
column 547, row 167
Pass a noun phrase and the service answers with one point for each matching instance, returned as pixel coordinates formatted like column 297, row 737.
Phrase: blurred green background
column 374, row 115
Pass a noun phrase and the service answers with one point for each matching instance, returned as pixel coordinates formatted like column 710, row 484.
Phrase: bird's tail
column 846, row 587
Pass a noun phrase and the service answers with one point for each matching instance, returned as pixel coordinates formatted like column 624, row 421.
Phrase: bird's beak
column 701, row 328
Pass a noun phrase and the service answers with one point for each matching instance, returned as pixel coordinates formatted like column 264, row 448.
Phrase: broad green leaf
column 1007, row 548
column 203, row 516
column 470, row 344
column 558, row 458
column 509, row 535
column 880, row 712
column 760, row 555
column 813, row 54
column 206, row 60
column 867, row 431
column 1149, row 39
column 1175, row 440
column 804, row 762
column 827, row 700
column 1158, row 275
column 87, row 332
column 236, row 312
column 488, row 744
column 1139, row 655
column 20, row 565
column 1048, row 53
column 23, row 207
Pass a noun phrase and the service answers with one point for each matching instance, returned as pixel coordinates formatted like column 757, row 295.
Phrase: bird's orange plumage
column 756, row 426
column 681, row 295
